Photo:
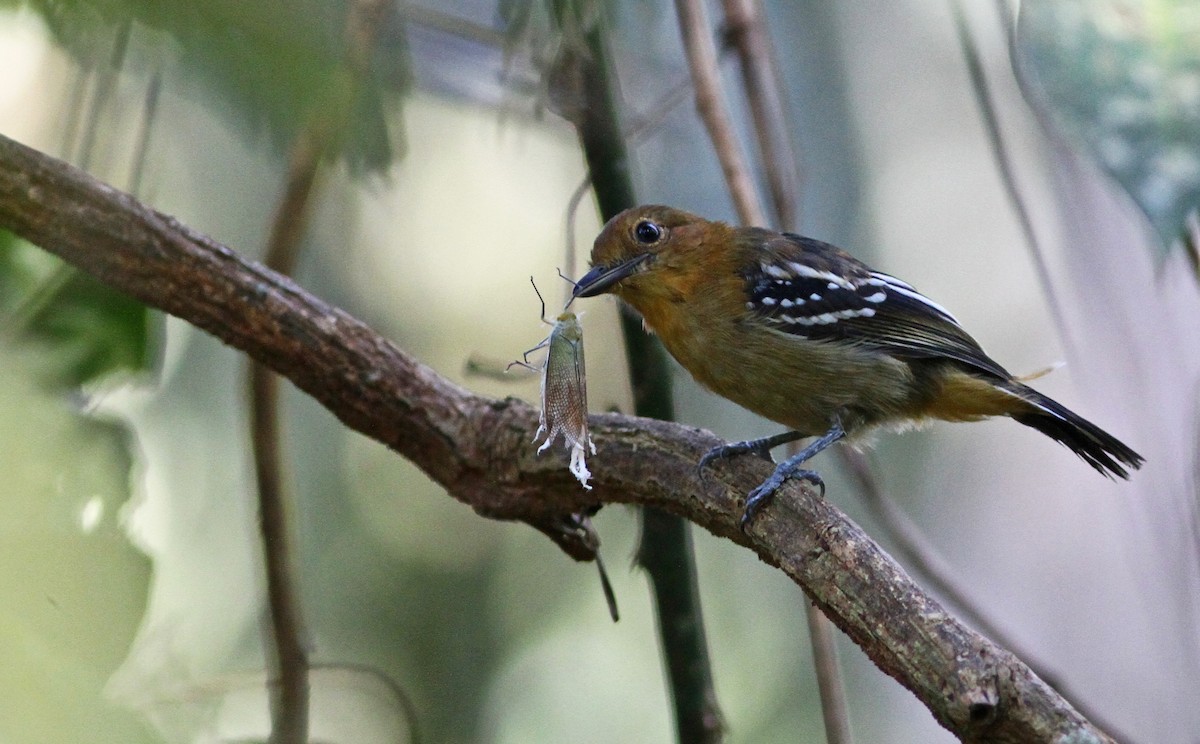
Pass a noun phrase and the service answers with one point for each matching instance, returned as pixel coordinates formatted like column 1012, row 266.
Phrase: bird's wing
column 816, row 291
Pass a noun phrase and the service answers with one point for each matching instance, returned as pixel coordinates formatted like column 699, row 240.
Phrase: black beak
column 601, row 278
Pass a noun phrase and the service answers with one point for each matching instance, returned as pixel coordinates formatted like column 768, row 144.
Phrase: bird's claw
column 761, row 496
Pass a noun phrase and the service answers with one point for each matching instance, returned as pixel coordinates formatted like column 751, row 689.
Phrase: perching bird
column 806, row 335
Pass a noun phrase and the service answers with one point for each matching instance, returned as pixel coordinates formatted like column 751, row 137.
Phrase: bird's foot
column 761, row 496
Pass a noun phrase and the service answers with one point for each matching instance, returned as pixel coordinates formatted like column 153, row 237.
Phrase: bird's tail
column 1096, row 447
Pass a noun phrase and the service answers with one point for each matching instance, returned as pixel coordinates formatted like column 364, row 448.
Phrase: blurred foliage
column 268, row 67
column 88, row 329
column 1124, row 77
column 74, row 588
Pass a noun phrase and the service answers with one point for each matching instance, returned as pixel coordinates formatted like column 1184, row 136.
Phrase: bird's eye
column 647, row 232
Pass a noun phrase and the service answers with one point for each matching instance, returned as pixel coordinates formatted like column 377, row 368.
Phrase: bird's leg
column 761, row 447
column 791, row 468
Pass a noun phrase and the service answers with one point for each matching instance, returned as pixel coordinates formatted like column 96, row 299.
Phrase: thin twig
column 287, row 648
column 644, row 126
column 106, row 83
column 828, row 672
column 701, row 51
column 30, row 307
column 142, row 148
column 1004, row 164
column 287, row 652
column 760, row 79
column 569, row 261
column 81, row 75
column 829, row 676
column 47, row 291
column 286, row 644
column 478, row 449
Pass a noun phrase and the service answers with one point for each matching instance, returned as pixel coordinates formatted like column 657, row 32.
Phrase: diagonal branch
column 701, row 52
column 477, row 447
column 746, row 32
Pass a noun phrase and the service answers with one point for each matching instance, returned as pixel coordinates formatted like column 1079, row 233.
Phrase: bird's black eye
column 647, row 232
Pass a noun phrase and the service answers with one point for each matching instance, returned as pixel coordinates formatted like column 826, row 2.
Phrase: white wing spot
column 815, row 297
column 877, row 297
column 826, row 318
column 879, row 279
column 785, row 302
column 768, row 301
column 810, row 273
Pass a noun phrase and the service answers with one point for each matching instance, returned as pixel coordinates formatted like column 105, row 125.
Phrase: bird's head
column 648, row 251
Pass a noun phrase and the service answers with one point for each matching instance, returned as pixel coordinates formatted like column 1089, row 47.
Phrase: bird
column 806, row 335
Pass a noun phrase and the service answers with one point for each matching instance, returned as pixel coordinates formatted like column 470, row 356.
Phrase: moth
column 564, row 391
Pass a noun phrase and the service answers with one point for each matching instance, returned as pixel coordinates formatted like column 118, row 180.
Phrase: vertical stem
column 149, row 111
column 81, row 75
column 829, row 676
column 665, row 552
column 909, row 542
column 834, row 711
column 665, row 549
column 106, row 83
column 286, row 650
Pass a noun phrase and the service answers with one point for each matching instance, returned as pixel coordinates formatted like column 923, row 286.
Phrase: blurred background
column 131, row 589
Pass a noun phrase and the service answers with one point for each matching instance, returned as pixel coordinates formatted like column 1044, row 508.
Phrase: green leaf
column 89, row 329
column 1123, row 78
column 74, row 588
column 267, row 67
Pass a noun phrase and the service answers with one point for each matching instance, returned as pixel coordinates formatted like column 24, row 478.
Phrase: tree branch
column 477, row 447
